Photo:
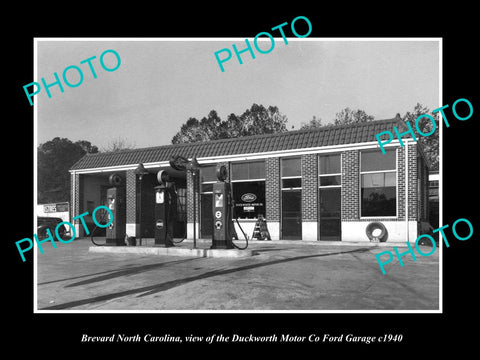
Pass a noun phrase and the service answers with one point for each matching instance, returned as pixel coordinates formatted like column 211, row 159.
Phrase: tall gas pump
column 165, row 209
column 222, row 211
column 115, row 232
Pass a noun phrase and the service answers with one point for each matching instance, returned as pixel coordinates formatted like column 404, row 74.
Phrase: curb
column 172, row 251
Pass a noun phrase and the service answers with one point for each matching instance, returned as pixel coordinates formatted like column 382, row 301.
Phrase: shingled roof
column 300, row 139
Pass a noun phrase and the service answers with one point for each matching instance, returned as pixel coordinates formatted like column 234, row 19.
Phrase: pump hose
column 184, row 237
column 244, row 235
column 243, row 232
column 95, row 228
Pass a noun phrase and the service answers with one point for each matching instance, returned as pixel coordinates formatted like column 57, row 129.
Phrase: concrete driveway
column 282, row 276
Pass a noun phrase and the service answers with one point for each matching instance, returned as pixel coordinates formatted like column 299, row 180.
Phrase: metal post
column 140, row 214
column 194, row 210
column 140, row 171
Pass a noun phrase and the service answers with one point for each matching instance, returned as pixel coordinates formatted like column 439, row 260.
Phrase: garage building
column 325, row 184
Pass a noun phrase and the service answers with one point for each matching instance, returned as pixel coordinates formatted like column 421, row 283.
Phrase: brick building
column 322, row 184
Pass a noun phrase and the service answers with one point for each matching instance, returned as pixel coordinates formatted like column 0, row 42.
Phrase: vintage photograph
column 237, row 175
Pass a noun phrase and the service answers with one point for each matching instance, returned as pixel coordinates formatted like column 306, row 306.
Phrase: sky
column 160, row 84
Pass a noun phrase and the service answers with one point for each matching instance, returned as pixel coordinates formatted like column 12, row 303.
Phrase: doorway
column 292, row 215
column 330, row 224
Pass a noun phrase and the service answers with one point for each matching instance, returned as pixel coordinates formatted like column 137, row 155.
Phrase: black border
column 421, row 331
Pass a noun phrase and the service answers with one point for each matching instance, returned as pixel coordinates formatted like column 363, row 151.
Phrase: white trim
column 246, row 180
column 328, row 186
column 309, row 231
column 376, row 171
column 289, row 178
column 250, row 156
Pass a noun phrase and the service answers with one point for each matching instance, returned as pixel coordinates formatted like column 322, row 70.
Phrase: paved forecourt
column 277, row 275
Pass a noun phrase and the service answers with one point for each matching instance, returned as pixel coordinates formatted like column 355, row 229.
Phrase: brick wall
column 412, row 182
column 191, row 180
column 350, row 185
column 73, row 195
column 422, row 175
column 77, row 196
column 131, row 183
column 401, row 183
column 309, row 187
column 272, row 189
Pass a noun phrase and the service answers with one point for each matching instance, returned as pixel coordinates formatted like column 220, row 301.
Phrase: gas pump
column 165, row 209
column 115, row 232
column 222, row 211
column 223, row 228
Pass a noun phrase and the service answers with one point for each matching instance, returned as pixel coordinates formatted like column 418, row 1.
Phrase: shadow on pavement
column 114, row 273
column 153, row 289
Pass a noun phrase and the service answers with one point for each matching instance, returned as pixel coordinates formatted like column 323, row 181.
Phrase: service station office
column 325, row 184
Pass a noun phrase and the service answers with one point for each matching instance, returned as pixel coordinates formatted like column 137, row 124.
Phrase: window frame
column 206, row 182
column 282, row 188
column 233, row 181
column 231, row 164
column 330, row 174
column 397, row 203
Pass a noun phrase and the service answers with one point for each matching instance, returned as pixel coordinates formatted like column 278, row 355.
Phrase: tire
column 376, row 225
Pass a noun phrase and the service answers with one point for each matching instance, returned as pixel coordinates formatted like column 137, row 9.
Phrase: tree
column 118, row 144
column 87, row 147
column 260, row 120
column 55, row 158
column 314, row 123
column 254, row 121
column 430, row 144
column 348, row 116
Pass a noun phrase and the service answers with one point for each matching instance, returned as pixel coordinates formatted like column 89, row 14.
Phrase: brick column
column 272, row 196
column 75, row 203
column 191, row 192
column 131, row 184
column 309, row 197
column 401, row 183
column 350, row 185
column 412, row 182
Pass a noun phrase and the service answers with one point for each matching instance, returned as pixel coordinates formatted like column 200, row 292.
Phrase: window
column 207, row 178
column 248, row 189
column 291, row 173
column 433, row 186
column 248, row 170
column 329, row 170
column 378, row 174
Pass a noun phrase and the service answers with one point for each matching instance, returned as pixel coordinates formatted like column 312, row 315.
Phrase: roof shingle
column 300, row 139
